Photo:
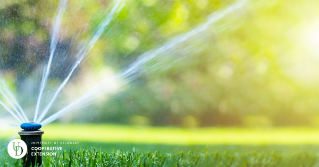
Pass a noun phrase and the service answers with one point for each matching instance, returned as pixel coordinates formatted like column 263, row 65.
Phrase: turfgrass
column 95, row 157
column 154, row 146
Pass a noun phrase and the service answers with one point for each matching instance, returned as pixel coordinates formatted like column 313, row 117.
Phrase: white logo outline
column 17, row 148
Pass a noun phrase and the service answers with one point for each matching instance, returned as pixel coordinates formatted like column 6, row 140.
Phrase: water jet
column 32, row 136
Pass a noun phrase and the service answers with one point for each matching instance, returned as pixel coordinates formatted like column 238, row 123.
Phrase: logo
column 17, row 148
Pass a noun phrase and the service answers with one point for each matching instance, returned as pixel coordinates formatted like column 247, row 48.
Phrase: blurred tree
column 249, row 65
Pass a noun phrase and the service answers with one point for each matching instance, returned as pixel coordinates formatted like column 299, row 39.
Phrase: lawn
column 241, row 145
column 95, row 158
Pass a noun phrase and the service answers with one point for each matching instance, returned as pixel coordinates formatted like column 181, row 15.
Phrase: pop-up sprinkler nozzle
column 31, row 126
column 32, row 136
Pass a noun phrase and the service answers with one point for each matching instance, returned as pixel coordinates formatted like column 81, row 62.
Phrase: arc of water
column 77, row 102
column 54, row 40
column 83, row 52
column 4, row 91
column 15, row 125
column 147, row 56
column 4, row 143
column 7, row 92
column 8, row 109
column 18, row 105
column 9, row 101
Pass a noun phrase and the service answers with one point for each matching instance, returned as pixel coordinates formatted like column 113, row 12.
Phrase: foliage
column 259, row 63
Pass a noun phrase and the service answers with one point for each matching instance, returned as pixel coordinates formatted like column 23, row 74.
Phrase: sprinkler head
column 32, row 136
column 31, row 126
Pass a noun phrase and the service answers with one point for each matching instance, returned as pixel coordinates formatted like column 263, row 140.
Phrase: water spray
column 32, row 136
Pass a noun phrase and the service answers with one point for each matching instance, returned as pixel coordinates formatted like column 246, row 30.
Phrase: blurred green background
column 257, row 67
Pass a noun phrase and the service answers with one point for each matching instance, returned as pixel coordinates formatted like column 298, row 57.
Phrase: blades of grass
column 70, row 162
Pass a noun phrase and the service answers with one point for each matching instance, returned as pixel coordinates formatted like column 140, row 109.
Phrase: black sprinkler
column 32, row 136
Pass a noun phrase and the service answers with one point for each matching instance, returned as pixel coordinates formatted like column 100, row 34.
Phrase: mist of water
column 7, row 94
column 98, row 90
column 9, row 97
column 84, row 52
column 4, row 142
column 54, row 41
column 9, row 110
column 9, row 123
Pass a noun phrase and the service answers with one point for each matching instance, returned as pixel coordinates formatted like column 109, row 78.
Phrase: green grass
column 93, row 157
column 154, row 146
